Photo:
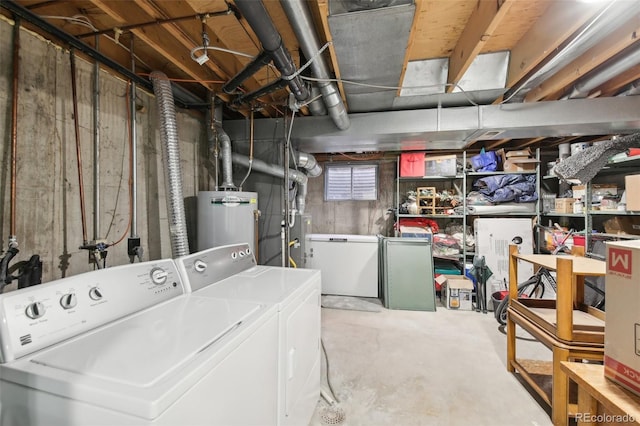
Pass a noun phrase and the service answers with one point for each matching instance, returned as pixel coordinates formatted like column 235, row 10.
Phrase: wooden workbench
column 601, row 399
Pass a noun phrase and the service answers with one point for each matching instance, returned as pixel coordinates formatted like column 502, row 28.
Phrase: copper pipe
column 72, row 56
column 14, row 124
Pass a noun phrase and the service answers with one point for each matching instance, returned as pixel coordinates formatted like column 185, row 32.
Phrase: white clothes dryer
column 296, row 295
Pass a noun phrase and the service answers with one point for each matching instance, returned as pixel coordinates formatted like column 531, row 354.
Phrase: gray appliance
column 349, row 263
column 298, row 233
column 406, row 273
column 226, row 217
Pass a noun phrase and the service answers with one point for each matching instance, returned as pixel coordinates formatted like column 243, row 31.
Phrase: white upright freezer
column 349, row 263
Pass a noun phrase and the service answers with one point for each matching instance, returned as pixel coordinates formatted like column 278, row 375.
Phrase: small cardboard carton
column 622, row 323
column 517, row 161
column 459, row 291
column 631, row 184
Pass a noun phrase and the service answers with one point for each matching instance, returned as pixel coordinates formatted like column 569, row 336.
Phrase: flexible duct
column 225, row 155
column 271, row 169
column 309, row 163
column 302, row 24
column 169, row 138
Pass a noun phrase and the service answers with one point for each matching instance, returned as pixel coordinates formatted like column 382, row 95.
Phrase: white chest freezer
column 349, row 263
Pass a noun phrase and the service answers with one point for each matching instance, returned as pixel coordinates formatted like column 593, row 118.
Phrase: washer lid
column 148, row 347
column 264, row 284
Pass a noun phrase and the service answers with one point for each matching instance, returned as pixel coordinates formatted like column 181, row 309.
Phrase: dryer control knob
column 68, row 301
column 199, row 266
column 95, row 293
column 35, row 310
column 158, row 276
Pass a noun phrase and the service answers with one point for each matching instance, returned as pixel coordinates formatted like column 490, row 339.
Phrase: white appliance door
column 493, row 237
column 349, row 263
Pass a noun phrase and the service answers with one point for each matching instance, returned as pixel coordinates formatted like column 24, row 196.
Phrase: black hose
column 5, row 277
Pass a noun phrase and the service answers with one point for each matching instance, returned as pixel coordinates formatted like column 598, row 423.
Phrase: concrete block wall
column 48, row 200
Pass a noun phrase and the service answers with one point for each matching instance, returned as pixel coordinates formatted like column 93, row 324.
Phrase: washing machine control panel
column 212, row 265
column 42, row 315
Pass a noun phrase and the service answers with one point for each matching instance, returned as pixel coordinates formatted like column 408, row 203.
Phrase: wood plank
column 581, row 265
column 438, row 28
column 614, row 398
column 555, row 26
column 520, row 18
column 419, row 6
column 481, row 25
column 616, row 84
column 158, row 38
column 614, row 43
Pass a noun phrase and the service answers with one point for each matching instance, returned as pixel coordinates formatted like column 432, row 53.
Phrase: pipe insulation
column 300, row 18
column 271, row 169
column 171, row 154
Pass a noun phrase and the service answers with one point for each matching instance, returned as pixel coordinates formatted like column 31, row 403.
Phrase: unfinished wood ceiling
column 161, row 34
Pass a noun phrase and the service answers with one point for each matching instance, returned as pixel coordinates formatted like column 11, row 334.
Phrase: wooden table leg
column 511, row 343
column 587, row 407
column 560, row 389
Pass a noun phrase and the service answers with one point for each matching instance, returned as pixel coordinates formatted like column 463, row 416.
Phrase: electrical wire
column 130, row 180
column 326, row 360
column 85, row 22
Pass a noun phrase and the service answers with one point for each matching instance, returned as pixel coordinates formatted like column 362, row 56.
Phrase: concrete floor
column 408, row 368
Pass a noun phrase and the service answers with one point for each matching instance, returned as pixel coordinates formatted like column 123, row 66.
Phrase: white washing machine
column 127, row 346
column 296, row 295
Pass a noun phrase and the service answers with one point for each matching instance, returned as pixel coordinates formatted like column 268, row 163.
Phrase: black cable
column 326, row 360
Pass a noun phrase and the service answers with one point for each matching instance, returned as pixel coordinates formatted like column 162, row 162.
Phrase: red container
column 578, row 240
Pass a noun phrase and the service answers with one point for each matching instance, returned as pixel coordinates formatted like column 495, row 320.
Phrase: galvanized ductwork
column 257, row 16
column 309, row 163
column 585, row 86
column 300, row 18
column 171, row 153
column 278, row 171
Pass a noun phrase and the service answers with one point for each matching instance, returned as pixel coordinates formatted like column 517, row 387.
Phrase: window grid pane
column 351, row 183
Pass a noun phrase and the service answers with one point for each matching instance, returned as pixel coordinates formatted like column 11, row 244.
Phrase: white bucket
column 563, row 151
column 577, row 147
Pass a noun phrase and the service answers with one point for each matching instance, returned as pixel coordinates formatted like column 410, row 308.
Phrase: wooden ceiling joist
column 483, row 21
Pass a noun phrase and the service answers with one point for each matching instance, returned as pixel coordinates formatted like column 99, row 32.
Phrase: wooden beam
column 495, row 144
column 621, row 38
column 165, row 44
column 555, row 26
column 320, row 9
column 483, row 21
column 420, row 8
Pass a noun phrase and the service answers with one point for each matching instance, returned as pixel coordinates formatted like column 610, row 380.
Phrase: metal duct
column 316, row 108
column 308, row 162
column 271, row 169
column 584, row 87
column 257, row 16
column 598, row 28
column 171, row 153
column 302, row 24
column 225, row 155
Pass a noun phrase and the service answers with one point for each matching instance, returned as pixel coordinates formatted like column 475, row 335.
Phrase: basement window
column 351, row 183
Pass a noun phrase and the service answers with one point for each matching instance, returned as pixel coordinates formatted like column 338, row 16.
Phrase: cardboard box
column 519, row 164
column 458, row 292
column 440, row 165
column 517, row 161
column 622, row 225
column 598, row 190
column 622, row 324
column 412, row 164
column 631, row 184
column 564, row 205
